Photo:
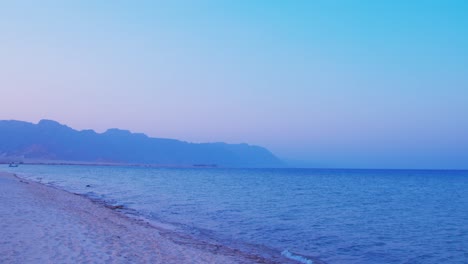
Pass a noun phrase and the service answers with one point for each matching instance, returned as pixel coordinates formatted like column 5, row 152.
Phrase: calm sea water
column 336, row 216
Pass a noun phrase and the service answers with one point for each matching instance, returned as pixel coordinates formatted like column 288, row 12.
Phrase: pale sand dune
column 41, row 224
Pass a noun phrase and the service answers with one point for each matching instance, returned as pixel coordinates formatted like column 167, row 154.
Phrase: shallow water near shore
column 336, row 216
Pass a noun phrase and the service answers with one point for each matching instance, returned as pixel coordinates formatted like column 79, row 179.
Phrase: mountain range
column 50, row 140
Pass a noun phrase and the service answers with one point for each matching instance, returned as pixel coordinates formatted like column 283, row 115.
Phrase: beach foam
column 296, row 257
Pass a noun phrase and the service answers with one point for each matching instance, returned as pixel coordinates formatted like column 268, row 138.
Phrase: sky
column 339, row 84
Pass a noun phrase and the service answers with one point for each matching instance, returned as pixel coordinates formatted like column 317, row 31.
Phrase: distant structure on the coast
column 13, row 164
column 50, row 140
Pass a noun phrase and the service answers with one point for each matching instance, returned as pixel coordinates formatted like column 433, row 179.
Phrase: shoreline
column 41, row 223
column 107, row 164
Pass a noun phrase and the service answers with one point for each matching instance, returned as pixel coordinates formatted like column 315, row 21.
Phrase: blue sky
column 379, row 84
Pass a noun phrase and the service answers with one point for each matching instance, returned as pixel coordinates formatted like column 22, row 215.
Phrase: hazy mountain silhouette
column 51, row 140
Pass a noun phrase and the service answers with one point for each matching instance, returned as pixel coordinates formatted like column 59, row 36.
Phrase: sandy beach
column 42, row 224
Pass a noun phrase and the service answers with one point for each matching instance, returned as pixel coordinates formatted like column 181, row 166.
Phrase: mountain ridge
column 51, row 140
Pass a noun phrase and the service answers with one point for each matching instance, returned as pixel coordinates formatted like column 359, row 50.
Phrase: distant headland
column 50, row 142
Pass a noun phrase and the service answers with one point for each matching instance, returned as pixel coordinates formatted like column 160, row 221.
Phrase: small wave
column 295, row 257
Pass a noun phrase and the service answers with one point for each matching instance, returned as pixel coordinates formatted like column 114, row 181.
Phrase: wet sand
column 42, row 224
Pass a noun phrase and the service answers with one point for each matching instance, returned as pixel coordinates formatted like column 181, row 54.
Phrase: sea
column 307, row 215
